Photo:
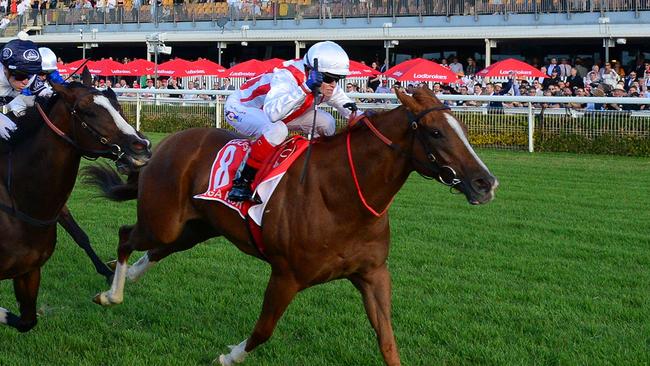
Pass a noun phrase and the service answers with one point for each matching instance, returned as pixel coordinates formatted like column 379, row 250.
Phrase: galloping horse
column 333, row 226
column 38, row 175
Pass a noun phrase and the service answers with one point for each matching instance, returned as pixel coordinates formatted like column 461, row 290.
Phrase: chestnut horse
column 333, row 226
column 38, row 174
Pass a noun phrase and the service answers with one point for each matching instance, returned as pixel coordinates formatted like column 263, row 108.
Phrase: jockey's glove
column 315, row 80
column 351, row 106
column 20, row 104
column 37, row 87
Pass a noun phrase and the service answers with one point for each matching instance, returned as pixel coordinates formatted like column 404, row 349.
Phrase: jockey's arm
column 284, row 96
column 338, row 100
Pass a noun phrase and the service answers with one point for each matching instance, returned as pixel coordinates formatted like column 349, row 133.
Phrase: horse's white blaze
column 120, row 122
column 3, row 316
column 139, row 268
column 455, row 125
column 237, row 354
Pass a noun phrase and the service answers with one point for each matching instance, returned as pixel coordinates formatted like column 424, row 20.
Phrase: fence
column 217, row 12
column 516, row 128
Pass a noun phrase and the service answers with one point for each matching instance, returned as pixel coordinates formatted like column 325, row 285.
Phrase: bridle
column 114, row 150
column 451, row 180
column 90, row 154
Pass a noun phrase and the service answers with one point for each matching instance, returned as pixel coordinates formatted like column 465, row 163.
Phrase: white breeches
column 254, row 122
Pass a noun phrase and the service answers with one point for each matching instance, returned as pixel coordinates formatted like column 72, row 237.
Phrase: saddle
column 230, row 160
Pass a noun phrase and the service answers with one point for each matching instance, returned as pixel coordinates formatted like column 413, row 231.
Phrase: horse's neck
column 44, row 173
column 380, row 170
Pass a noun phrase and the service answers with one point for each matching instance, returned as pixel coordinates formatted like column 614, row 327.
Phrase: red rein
column 353, row 120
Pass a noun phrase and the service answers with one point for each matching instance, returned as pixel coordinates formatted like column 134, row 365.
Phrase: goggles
column 331, row 78
column 19, row 76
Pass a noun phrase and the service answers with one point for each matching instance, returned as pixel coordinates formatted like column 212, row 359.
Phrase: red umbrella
column 204, row 66
column 108, row 67
column 141, row 66
column 273, row 63
column 425, row 70
column 398, row 69
column 247, row 69
column 505, row 67
column 359, row 70
column 70, row 67
column 175, row 67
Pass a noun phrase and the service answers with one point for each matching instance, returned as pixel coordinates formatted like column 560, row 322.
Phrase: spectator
column 173, row 84
column 630, row 80
column 565, row 68
column 582, row 71
column 373, row 81
column 471, row 68
column 574, row 80
column 383, row 88
column 226, row 85
column 455, row 66
column 552, row 66
column 148, row 87
column 610, row 77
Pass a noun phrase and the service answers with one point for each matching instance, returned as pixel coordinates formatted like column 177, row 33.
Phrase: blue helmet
column 22, row 56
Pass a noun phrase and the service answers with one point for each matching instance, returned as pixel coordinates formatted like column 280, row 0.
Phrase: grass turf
column 554, row 271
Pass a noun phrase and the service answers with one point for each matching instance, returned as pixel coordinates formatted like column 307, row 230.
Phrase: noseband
column 113, row 150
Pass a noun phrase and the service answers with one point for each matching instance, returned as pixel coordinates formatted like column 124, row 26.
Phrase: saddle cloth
column 229, row 160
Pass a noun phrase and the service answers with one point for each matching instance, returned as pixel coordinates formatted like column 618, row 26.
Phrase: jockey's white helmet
column 332, row 59
column 48, row 59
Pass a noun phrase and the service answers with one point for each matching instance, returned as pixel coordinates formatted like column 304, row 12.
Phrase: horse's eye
column 436, row 134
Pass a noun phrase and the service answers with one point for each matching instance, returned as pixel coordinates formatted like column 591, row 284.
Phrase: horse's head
column 441, row 149
column 98, row 128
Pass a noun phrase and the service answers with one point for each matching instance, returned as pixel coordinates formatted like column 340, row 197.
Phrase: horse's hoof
column 103, row 300
column 112, row 264
column 225, row 361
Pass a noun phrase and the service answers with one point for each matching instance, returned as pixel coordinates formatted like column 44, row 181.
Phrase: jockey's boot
column 241, row 186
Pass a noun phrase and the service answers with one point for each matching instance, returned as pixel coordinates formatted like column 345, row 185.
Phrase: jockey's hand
column 314, row 81
column 20, row 104
column 351, row 106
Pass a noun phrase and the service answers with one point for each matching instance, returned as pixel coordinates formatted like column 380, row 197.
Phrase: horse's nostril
column 482, row 185
column 138, row 146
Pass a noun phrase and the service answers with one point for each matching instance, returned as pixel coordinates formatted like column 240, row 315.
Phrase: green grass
column 553, row 272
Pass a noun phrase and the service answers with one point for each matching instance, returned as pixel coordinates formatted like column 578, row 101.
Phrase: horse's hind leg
column 115, row 295
column 77, row 233
column 279, row 293
column 193, row 233
column 26, row 290
column 375, row 289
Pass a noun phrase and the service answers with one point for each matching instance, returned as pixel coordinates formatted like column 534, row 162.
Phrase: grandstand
column 232, row 31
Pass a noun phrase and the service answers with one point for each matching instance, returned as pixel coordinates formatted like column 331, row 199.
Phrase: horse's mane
column 32, row 122
column 370, row 113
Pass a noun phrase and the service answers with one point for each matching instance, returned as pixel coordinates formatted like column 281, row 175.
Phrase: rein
column 415, row 123
column 89, row 154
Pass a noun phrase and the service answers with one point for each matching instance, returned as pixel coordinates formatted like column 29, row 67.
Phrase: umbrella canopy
column 359, row 70
column 70, row 67
column 141, row 66
column 505, row 67
column 175, row 67
column 273, row 63
column 424, row 70
column 109, row 67
column 398, row 69
column 203, row 67
column 247, row 69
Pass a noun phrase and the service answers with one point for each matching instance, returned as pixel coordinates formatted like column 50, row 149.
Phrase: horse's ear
column 109, row 93
column 64, row 92
column 86, row 77
column 407, row 101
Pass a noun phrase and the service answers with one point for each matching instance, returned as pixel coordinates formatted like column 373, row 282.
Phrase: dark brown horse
column 332, row 226
column 38, row 174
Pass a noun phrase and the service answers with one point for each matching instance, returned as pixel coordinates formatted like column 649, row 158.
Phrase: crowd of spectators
column 565, row 78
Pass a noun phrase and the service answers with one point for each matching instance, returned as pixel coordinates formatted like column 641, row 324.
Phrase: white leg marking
column 120, row 122
column 3, row 316
column 455, row 125
column 116, row 294
column 237, row 355
column 139, row 268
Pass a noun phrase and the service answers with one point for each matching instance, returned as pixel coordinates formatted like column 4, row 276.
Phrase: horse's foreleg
column 67, row 221
column 375, row 288
column 115, row 295
column 279, row 293
column 26, row 290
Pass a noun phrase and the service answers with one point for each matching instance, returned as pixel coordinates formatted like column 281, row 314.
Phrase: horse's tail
column 110, row 183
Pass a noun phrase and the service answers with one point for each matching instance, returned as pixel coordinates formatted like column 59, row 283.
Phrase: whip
column 310, row 137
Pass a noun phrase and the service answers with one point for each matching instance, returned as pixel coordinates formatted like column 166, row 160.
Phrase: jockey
column 20, row 80
column 270, row 105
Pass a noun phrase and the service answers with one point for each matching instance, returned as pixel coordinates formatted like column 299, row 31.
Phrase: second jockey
column 269, row 105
